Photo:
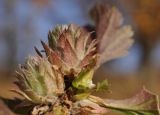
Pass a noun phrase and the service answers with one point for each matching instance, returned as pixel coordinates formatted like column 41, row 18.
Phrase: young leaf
column 81, row 96
column 39, row 79
column 144, row 103
column 113, row 39
column 70, row 48
column 102, row 85
column 84, row 80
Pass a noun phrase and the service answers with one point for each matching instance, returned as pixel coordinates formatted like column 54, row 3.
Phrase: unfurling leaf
column 101, row 86
column 84, row 80
column 70, row 48
column 114, row 40
column 39, row 81
column 81, row 96
column 144, row 103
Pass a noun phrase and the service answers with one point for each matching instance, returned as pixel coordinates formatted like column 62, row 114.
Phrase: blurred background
column 23, row 23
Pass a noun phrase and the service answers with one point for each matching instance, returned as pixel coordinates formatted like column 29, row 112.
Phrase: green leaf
column 35, row 79
column 52, row 39
column 101, row 86
column 81, row 96
column 38, row 80
column 144, row 103
column 84, row 80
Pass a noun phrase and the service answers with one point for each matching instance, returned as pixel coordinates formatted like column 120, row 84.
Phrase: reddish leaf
column 69, row 54
column 113, row 38
column 144, row 103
